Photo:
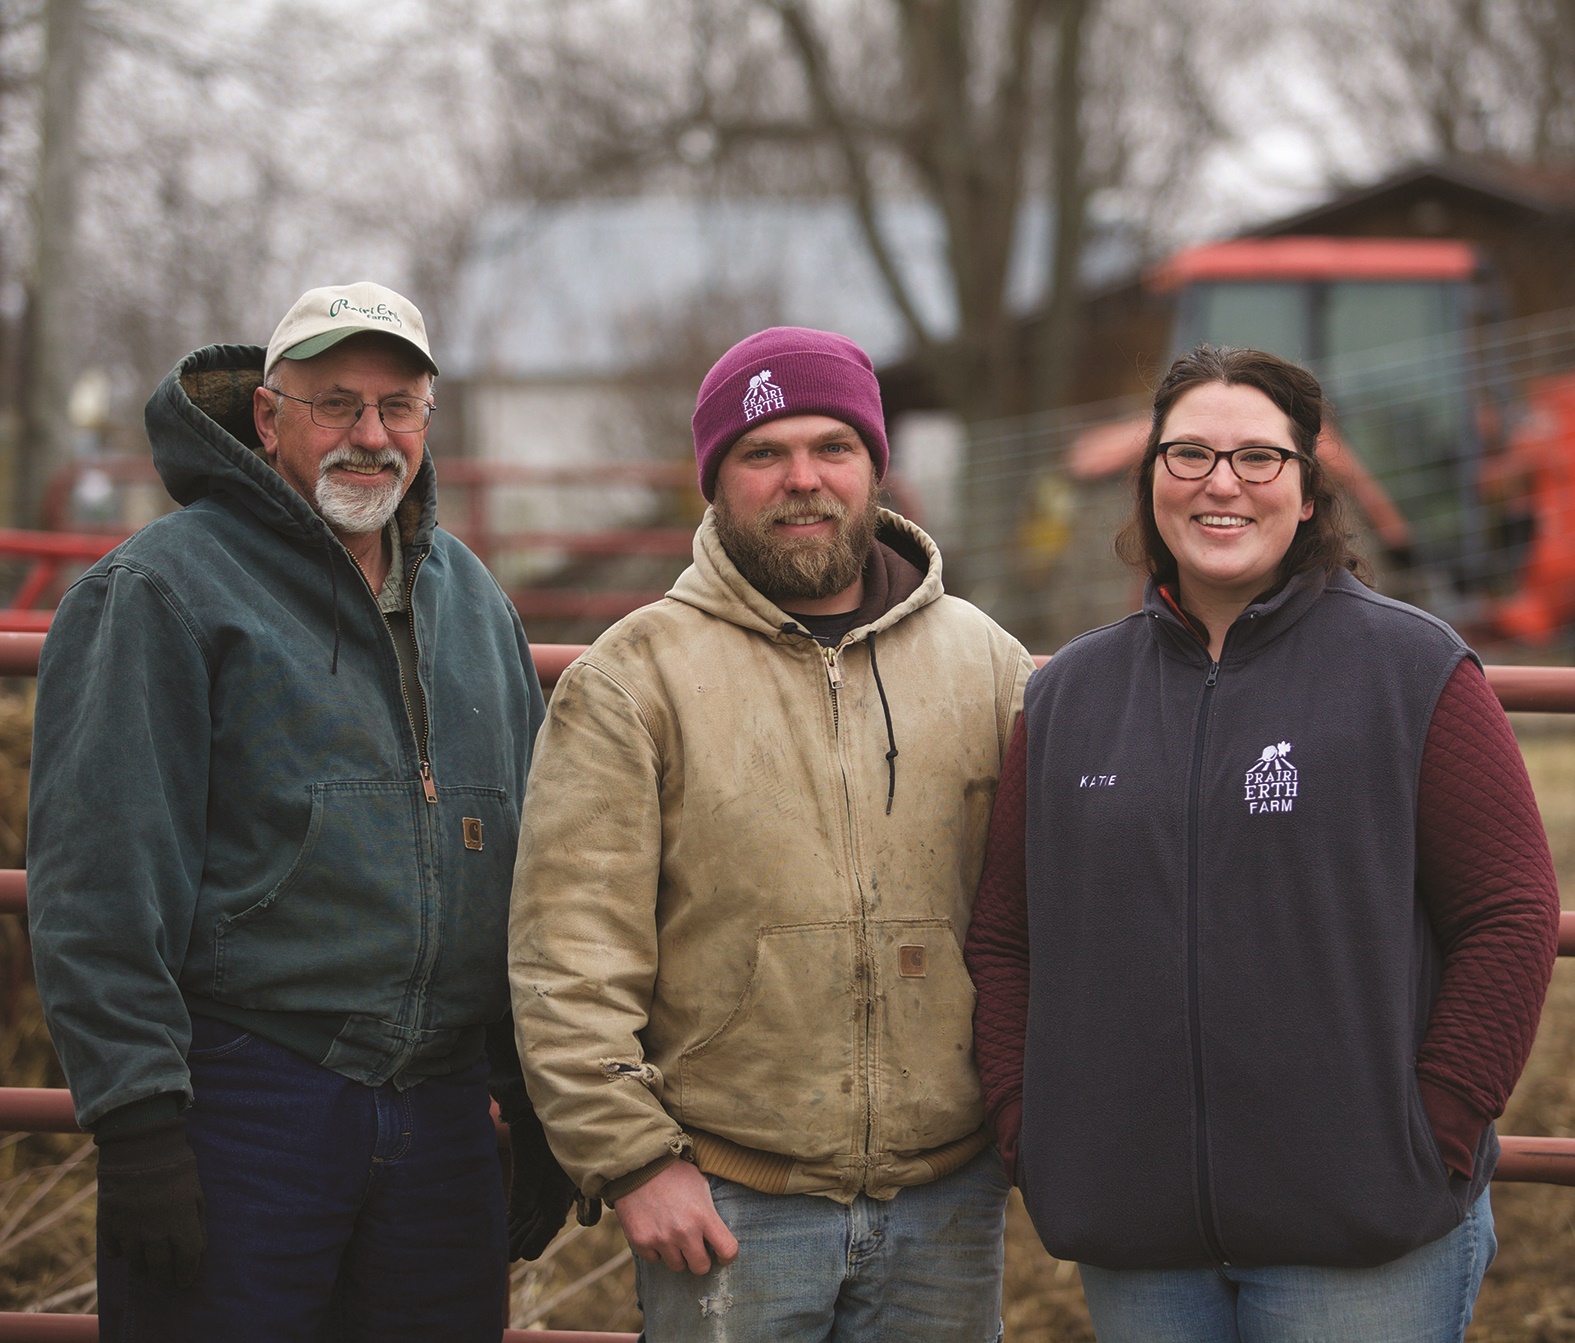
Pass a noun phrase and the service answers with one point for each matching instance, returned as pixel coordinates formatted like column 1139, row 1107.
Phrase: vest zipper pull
column 427, row 782
column 1214, row 673
column 833, row 669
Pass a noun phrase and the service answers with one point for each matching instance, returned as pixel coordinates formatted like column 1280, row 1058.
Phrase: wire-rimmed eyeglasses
column 340, row 410
column 1256, row 465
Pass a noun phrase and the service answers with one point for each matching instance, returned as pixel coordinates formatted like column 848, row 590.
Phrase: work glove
column 150, row 1203
column 539, row 1192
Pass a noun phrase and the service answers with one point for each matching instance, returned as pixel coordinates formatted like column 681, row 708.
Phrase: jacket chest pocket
column 926, row 1085
column 476, row 840
column 346, row 926
column 788, row 1045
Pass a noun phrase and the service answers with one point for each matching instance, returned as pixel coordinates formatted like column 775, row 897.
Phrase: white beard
column 359, row 508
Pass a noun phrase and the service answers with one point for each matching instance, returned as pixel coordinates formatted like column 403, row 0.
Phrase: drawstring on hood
column 793, row 627
column 891, row 736
column 333, row 599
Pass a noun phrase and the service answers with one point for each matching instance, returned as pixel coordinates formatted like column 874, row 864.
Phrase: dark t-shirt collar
column 889, row 580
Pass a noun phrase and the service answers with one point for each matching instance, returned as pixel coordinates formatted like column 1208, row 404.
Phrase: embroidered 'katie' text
column 1097, row 781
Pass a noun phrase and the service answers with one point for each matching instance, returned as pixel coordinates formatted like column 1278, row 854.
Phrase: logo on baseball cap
column 321, row 318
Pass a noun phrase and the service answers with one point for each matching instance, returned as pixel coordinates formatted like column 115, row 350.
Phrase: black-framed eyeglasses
column 1255, row 465
column 340, row 410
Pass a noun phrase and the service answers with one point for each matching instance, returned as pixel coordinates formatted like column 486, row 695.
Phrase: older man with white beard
column 750, row 848
column 281, row 746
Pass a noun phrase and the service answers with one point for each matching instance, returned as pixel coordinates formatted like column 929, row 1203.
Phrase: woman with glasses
column 1267, row 916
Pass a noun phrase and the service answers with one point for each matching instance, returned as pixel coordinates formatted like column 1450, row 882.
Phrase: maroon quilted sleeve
column 997, row 953
column 1486, row 878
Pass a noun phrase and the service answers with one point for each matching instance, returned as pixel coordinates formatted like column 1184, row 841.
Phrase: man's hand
column 150, row 1203
column 670, row 1219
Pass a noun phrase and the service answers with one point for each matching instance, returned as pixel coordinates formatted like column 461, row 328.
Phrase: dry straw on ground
column 46, row 1180
column 586, row 1280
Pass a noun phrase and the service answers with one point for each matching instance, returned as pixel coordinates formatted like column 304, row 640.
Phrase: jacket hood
column 713, row 584
column 204, row 439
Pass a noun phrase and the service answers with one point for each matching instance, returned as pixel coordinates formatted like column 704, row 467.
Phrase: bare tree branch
column 1070, row 204
column 829, row 111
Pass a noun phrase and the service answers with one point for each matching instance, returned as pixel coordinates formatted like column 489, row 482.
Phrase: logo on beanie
column 763, row 396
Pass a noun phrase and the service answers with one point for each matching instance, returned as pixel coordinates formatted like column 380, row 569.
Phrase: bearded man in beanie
column 281, row 745
column 752, row 837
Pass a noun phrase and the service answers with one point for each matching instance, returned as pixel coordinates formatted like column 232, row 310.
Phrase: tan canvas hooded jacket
column 721, row 943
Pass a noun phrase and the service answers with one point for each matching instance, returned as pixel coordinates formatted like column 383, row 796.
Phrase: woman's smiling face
column 1228, row 536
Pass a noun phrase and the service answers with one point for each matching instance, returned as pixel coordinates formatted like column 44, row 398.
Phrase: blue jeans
column 335, row 1211
column 1423, row 1297
column 923, row 1267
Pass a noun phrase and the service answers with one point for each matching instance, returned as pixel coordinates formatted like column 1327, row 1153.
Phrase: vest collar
column 1262, row 621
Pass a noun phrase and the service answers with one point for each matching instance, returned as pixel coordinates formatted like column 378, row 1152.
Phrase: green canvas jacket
column 230, row 808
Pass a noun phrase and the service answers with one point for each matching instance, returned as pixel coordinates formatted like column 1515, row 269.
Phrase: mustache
column 801, row 511
column 347, row 455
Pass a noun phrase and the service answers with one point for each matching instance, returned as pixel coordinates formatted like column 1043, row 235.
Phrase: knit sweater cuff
column 1457, row 1125
column 1008, row 1126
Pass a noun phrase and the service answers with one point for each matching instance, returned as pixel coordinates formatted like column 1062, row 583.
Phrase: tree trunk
column 1058, row 338
column 51, row 363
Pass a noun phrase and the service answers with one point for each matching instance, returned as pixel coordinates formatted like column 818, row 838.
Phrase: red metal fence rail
column 69, row 543
column 48, row 1110
column 67, row 546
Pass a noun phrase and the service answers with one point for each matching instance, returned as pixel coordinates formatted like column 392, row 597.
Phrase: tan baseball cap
column 321, row 318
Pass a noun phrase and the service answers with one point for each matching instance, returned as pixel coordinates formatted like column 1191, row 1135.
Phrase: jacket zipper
column 835, row 680
column 834, row 675
column 421, row 979
column 1206, row 1210
column 428, row 783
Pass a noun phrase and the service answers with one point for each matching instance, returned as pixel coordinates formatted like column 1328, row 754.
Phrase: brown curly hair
column 1323, row 541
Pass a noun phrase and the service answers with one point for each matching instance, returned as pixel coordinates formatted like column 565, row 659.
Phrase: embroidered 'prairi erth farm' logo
column 1271, row 781
column 764, row 397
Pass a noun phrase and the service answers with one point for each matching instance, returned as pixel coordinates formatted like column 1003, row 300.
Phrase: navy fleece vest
column 1231, row 971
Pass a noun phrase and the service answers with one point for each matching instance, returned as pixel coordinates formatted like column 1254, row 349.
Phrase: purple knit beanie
column 786, row 370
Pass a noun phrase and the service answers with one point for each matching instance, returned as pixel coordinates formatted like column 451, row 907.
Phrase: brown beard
column 807, row 570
